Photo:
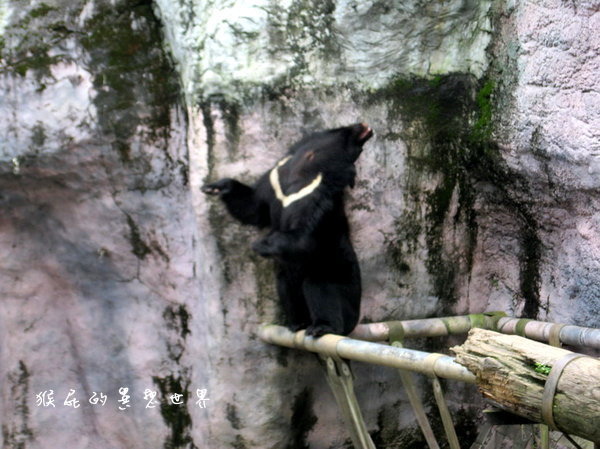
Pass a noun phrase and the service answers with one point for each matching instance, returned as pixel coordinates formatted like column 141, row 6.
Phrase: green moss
column 482, row 127
column 184, row 171
column 530, row 278
column 157, row 249
column 216, row 217
column 466, row 422
column 135, row 83
column 389, row 434
column 303, row 419
column 387, row 425
column 396, row 255
column 242, row 35
column 541, row 368
column 31, row 41
column 435, row 113
column 239, row 443
column 37, row 59
column 447, row 126
column 232, row 241
column 265, row 288
column 138, row 246
column 231, row 118
column 175, row 416
column 281, row 355
column 38, row 135
column 232, row 416
column 134, row 78
column 394, row 437
column 42, row 10
column 177, row 318
column 16, row 433
column 304, row 27
column 209, row 126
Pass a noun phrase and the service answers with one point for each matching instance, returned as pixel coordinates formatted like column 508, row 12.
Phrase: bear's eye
column 310, row 156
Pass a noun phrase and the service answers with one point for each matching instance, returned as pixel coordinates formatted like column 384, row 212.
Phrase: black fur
column 318, row 277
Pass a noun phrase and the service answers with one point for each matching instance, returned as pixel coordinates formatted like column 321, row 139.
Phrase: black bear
column 301, row 200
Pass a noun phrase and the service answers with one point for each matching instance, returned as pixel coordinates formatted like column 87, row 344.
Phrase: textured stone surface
column 231, row 44
column 98, row 275
column 551, row 137
column 478, row 192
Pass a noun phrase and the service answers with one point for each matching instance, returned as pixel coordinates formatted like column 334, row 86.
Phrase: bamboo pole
column 542, row 331
column 428, row 327
column 440, row 400
column 417, row 404
column 339, row 378
column 536, row 381
column 456, row 325
column 363, row 351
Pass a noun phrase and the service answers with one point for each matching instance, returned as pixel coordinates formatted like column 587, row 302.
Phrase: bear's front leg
column 241, row 201
column 269, row 245
column 290, row 245
column 221, row 187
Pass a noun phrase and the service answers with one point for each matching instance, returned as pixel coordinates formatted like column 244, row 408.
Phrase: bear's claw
column 217, row 188
column 318, row 330
column 210, row 190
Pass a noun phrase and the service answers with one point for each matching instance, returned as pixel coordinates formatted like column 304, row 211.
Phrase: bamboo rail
column 363, row 351
column 456, row 325
column 368, row 344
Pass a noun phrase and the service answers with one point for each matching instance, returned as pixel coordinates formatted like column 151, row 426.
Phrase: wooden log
column 511, row 371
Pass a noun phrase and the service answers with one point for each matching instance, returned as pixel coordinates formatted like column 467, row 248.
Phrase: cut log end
column 512, row 372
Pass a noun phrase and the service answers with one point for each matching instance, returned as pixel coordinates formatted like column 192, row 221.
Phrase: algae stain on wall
column 176, row 416
column 174, row 387
column 453, row 163
column 123, row 40
column 438, row 191
column 16, row 431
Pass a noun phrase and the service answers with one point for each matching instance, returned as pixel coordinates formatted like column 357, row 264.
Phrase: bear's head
column 332, row 153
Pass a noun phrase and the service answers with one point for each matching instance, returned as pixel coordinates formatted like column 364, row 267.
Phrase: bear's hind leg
column 334, row 308
column 291, row 297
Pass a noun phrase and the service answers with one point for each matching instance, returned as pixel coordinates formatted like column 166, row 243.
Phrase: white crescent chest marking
column 286, row 200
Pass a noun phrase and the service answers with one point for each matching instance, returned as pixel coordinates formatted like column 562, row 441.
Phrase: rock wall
column 478, row 192
column 98, row 269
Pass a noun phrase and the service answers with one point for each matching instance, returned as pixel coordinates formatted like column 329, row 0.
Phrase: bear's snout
column 363, row 132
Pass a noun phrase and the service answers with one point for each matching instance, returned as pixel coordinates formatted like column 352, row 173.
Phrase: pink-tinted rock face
column 478, row 192
column 549, row 134
column 97, row 239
